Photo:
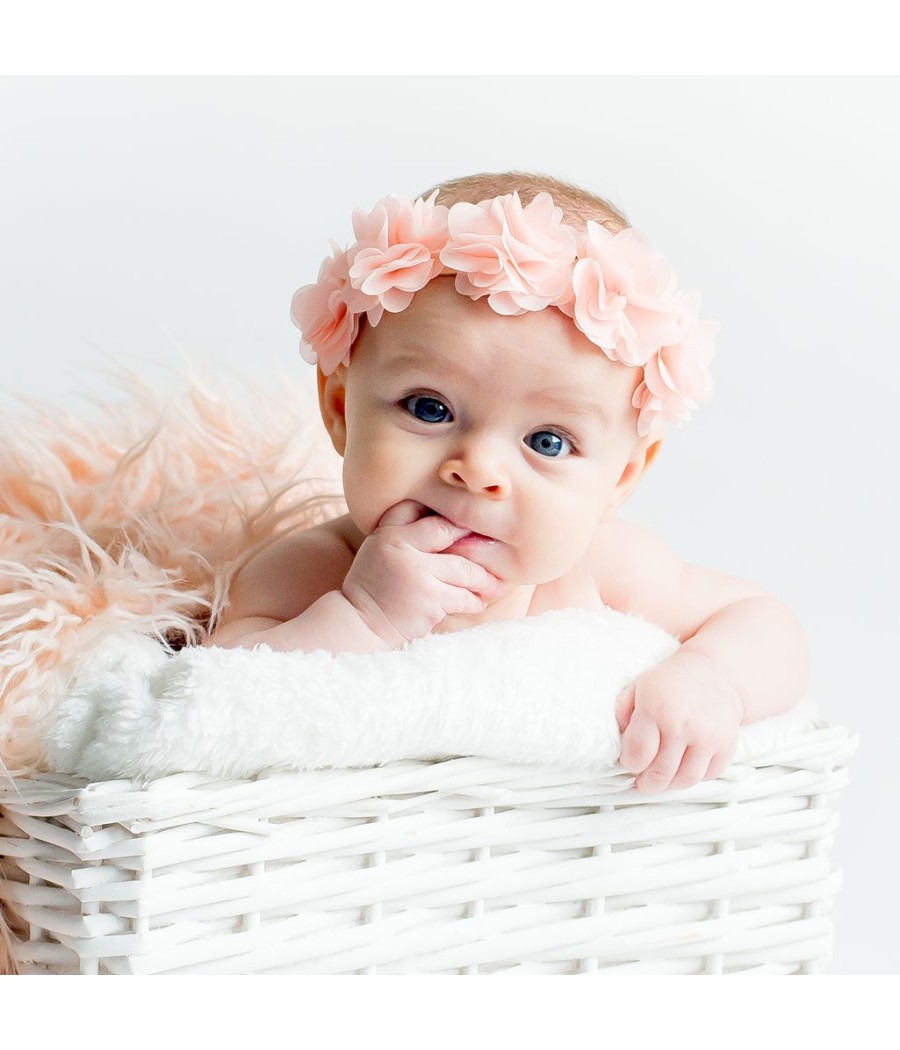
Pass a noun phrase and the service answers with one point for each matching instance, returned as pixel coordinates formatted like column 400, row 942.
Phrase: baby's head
column 504, row 338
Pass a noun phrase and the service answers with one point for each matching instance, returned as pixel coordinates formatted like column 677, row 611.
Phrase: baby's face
column 516, row 428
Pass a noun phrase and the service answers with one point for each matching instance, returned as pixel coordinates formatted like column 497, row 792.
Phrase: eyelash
column 409, row 405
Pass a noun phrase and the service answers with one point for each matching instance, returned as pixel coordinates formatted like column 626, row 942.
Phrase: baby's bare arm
column 330, row 623
column 754, row 638
column 288, row 597
column 743, row 657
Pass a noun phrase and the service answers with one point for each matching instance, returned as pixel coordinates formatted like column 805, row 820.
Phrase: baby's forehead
column 541, row 358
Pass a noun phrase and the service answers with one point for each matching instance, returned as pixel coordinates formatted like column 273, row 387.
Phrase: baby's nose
column 477, row 471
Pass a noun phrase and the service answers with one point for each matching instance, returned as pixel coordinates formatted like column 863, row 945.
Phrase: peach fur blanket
column 133, row 521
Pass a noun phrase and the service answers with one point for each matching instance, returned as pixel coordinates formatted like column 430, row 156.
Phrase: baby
column 496, row 363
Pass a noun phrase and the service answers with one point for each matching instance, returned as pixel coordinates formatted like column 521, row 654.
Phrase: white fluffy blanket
column 540, row 690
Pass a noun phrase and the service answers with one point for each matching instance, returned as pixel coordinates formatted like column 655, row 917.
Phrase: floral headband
column 620, row 293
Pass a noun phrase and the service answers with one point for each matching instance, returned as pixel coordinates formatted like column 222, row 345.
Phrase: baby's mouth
column 470, row 541
column 471, row 535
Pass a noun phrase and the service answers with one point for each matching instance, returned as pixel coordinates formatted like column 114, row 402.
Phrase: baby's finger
column 457, row 571
column 403, row 513
column 692, row 770
column 435, row 534
column 426, row 531
column 455, row 600
column 625, row 707
column 658, row 775
column 640, row 744
column 717, row 766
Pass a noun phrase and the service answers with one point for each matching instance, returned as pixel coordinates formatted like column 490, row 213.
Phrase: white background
column 142, row 218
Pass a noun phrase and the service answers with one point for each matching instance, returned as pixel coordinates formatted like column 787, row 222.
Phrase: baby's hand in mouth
column 414, row 511
column 410, row 511
column 403, row 584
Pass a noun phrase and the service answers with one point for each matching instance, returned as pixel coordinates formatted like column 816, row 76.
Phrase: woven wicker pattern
column 462, row 866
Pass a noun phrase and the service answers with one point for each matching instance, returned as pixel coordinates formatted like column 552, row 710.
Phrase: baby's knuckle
column 476, row 573
column 636, row 746
column 699, row 737
column 631, row 764
column 651, row 785
column 656, row 777
column 444, row 531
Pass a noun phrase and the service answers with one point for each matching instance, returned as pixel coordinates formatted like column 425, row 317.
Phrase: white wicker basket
column 461, row 866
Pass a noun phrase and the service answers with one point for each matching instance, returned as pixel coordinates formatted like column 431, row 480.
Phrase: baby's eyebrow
column 407, row 362
column 413, row 367
column 573, row 406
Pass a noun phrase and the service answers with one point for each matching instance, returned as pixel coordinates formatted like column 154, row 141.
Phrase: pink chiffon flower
column 676, row 379
column 520, row 258
column 395, row 254
column 326, row 322
column 623, row 295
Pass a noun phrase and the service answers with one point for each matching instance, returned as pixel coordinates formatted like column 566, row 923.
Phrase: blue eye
column 548, row 443
column 427, row 409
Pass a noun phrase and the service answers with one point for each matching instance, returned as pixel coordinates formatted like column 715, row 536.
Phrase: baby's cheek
column 374, row 481
column 365, row 504
column 564, row 537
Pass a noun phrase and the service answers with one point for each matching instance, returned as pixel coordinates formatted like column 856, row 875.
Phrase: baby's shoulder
column 293, row 571
column 632, row 566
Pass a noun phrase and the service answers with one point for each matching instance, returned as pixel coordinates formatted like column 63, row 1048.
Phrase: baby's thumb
column 426, row 531
column 625, row 707
column 404, row 513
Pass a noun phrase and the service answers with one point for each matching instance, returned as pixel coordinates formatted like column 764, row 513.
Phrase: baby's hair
column 578, row 205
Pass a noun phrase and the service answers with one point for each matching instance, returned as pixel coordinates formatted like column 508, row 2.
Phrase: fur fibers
column 134, row 522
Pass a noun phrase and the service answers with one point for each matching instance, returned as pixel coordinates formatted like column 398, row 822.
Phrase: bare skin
column 484, row 460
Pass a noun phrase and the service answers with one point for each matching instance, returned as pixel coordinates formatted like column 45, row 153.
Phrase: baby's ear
column 332, row 405
column 635, row 468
